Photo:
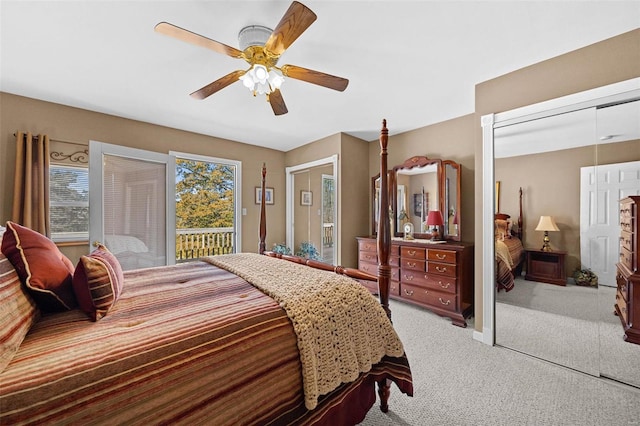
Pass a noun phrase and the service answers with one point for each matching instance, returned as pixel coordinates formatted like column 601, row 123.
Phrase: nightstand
column 546, row 267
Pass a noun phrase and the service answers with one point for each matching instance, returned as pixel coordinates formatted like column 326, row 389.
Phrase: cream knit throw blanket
column 342, row 330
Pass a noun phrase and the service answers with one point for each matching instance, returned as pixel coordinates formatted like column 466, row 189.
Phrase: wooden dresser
column 628, row 277
column 438, row 277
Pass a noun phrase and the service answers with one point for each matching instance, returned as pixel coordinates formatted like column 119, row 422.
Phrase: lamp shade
column 435, row 218
column 547, row 224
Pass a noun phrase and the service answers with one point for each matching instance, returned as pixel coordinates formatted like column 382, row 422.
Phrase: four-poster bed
column 229, row 339
column 509, row 248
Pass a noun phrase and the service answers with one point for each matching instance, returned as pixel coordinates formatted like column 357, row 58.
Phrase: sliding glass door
column 131, row 204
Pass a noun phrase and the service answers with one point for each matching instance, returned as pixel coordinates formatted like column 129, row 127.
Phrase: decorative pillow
column 501, row 229
column 45, row 271
column 97, row 282
column 18, row 312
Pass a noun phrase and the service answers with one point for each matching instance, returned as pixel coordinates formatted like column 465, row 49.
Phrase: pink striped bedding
column 509, row 256
column 184, row 344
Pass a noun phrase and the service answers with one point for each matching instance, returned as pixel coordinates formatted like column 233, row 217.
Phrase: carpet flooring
column 460, row 381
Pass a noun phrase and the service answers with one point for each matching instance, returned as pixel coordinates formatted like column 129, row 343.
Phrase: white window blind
column 134, row 211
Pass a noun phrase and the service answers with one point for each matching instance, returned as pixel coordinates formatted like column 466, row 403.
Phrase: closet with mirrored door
column 574, row 159
column 312, row 226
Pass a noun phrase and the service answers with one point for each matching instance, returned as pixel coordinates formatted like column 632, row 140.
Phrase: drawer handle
column 411, row 264
column 441, row 256
column 441, row 301
column 408, row 293
column 411, row 252
column 441, row 269
column 408, row 277
column 444, row 286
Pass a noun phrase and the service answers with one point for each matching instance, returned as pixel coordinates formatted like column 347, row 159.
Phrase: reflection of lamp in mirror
column 546, row 224
column 435, row 219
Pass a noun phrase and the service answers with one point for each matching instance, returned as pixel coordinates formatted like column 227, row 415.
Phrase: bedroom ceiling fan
column 261, row 48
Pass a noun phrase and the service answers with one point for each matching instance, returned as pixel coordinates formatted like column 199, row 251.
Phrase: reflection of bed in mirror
column 509, row 248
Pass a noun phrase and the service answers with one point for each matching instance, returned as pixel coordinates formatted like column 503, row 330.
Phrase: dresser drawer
column 394, row 288
column 372, row 286
column 445, row 256
column 395, row 250
column 368, row 245
column 395, row 274
column 371, row 268
column 621, row 303
column 427, row 296
column 367, row 256
column 438, row 268
column 412, row 253
column 429, row 281
column 414, row 265
column 622, row 284
column 394, row 261
column 626, row 258
column 626, row 241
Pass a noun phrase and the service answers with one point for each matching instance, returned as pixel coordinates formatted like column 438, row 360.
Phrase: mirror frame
column 415, row 161
column 458, row 169
column 374, row 224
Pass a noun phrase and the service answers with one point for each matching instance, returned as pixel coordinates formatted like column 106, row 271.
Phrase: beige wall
column 77, row 125
column 607, row 62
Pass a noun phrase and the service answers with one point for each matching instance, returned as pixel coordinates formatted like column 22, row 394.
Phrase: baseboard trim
column 483, row 337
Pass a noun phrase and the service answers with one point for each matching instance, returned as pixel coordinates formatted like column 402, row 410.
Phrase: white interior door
column 601, row 189
column 132, row 204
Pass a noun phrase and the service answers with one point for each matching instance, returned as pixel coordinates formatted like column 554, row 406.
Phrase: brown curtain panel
column 31, row 183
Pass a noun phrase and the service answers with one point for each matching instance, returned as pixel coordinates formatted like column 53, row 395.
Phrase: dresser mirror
column 421, row 184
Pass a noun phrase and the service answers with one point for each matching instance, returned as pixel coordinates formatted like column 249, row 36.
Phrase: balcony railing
column 193, row 243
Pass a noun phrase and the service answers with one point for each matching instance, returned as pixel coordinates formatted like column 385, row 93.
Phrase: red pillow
column 41, row 266
column 97, row 282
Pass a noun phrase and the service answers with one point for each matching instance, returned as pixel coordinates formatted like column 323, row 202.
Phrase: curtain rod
column 60, row 140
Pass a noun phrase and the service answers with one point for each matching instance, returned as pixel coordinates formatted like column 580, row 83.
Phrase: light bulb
column 275, row 79
column 260, row 72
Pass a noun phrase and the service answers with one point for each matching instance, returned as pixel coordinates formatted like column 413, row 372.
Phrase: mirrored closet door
column 572, row 169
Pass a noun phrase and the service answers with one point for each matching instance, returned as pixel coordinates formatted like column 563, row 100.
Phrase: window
column 207, row 216
column 69, row 203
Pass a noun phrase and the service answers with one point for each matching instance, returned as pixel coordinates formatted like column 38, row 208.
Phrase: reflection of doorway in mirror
column 328, row 220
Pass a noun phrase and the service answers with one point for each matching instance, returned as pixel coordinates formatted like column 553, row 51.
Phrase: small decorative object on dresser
column 627, row 305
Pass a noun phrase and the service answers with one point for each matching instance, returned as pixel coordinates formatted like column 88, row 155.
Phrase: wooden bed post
column 520, row 230
column 384, row 232
column 384, row 245
column 263, row 214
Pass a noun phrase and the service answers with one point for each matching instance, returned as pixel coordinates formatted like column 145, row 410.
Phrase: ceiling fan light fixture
column 261, row 81
column 261, row 73
column 275, row 78
column 253, row 35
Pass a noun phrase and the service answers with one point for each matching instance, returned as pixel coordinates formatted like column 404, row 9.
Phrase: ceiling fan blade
column 294, row 22
column 217, row 85
column 315, row 77
column 277, row 103
column 193, row 38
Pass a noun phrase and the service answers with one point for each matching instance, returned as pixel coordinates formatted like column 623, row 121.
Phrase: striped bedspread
column 509, row 254
column 184, row 344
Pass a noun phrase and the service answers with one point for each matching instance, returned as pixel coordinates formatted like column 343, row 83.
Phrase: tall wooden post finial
column 263, row 215
column 384, row 231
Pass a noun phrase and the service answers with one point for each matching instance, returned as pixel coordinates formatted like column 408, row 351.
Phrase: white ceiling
column 414, row 63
